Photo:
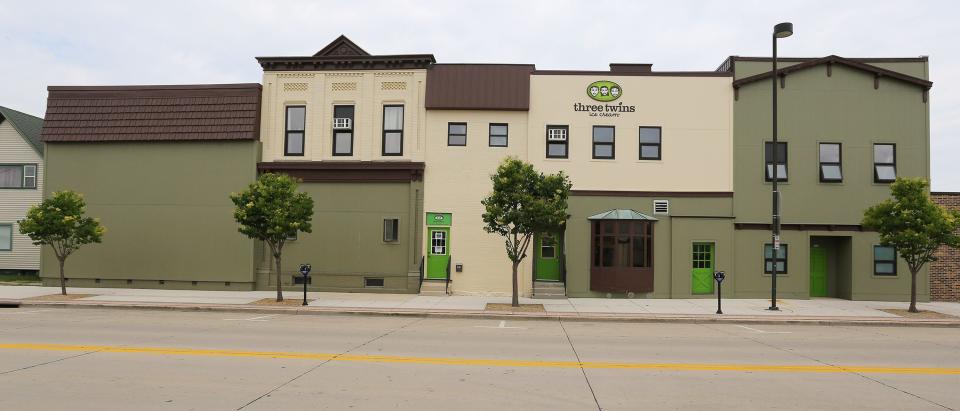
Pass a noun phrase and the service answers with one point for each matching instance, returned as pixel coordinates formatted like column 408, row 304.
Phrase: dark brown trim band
column 801, row 227
column 347, row 171
column 675, row 194
column 920, row 59
column 627, row 73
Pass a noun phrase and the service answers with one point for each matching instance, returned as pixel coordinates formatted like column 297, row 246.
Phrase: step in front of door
column 549, row 290
column 433, row 288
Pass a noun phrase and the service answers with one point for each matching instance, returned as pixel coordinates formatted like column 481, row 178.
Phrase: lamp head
column 783, row 30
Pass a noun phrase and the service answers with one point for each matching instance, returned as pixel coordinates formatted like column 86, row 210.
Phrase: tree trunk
column 516, row 297
column 913, row 291
column 279, row 287
column 63, row 281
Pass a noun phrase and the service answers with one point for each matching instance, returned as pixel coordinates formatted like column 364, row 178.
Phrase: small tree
column 913, row 225
column 59, row 222
column 271, row 210
column 523, row 203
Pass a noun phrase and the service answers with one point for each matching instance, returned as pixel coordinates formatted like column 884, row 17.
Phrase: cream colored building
column 21, row 186
column 691, row 112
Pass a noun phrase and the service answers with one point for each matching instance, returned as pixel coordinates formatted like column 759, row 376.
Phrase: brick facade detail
column 945, row 272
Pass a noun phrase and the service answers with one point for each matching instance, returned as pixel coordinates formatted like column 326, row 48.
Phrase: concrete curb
column 471, row 314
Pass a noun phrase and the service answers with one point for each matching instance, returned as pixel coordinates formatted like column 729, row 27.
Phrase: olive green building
column 847, row 127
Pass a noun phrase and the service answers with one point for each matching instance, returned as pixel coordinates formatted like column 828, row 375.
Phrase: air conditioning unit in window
column 341, row 123
column 557, row 135
column 661, row 206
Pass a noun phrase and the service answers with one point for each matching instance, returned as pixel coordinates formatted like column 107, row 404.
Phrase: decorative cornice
column 330, row 63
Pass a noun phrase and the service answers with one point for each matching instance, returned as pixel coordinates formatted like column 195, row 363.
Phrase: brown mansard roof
column 479, row 86
column 153, row 113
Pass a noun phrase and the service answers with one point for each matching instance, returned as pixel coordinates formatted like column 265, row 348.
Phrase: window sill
column 885, row 277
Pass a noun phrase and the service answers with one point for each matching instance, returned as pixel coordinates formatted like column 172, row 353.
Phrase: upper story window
column 296, row 122
column 498, row 135
column 781, row 161
column 456, row 134
column 393, row 130
column 603, row 142
column 884, row 163
column 649, row 143
column 343, row 130
column 830, row 163
column 557, row 144
column 18, row 176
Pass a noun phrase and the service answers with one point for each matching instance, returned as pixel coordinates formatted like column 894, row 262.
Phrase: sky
column 186, row 42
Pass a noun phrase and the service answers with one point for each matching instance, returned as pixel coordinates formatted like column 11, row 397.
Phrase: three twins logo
column 604, row 91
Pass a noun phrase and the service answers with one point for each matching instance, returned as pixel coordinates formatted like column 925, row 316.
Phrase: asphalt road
column 125, row 359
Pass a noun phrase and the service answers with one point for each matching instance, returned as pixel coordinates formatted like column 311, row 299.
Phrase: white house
column 21, row 186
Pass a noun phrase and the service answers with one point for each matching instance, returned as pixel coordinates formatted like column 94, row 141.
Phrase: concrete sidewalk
column 819, row 310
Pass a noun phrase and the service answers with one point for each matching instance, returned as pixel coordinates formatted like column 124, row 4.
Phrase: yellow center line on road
column 488, row 362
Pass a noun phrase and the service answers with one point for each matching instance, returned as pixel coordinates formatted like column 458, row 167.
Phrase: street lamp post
column 780, row 31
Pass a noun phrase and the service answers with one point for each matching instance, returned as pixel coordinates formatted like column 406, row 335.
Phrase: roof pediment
column 344, row 54
column 341, row 46
column 834, row 59
column 26, row 125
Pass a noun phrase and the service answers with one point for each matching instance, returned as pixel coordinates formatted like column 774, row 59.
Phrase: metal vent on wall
column 661, row 206
column 373, row 282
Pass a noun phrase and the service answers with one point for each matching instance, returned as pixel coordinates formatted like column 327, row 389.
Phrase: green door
column 702, row 281
column 438, row 252
column 547, row 254
column 818, row 272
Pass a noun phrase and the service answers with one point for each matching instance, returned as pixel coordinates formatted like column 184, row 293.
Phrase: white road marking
column 762, row 331
column 260, row 318
column 503, row 325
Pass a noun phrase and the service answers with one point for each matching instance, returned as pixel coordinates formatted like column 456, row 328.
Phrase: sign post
column 305, row 271
column 719, row 276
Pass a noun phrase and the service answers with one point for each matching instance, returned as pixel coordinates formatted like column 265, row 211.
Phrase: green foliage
column 59, row 222
column 524, row 202
column 912, row 223
column 271, row 210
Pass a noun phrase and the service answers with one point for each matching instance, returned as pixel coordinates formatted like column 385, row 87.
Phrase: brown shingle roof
column 479, row 86
column 153, row 113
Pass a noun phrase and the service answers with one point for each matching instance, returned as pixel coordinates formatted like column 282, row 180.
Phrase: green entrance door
column 547, row 255
column 702, row 281
column 818, row 272
column 438, row 252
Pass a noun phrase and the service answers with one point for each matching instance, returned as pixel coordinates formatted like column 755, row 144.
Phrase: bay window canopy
column 621, row 214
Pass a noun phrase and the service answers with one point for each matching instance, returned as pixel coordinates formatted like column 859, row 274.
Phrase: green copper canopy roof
column 620, row 214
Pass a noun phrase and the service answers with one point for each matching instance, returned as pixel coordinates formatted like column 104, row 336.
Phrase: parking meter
column 719, row 276
column 305, row 272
